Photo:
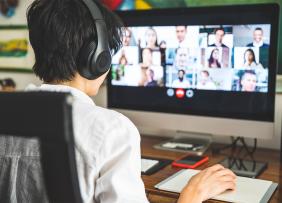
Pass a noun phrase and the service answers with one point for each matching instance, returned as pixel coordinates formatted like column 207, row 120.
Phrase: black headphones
column 95, row 56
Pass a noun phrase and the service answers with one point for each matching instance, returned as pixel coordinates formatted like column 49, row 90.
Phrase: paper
column 247, row 190
column 146, row 164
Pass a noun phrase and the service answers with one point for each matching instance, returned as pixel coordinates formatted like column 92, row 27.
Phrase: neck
column 79, row 83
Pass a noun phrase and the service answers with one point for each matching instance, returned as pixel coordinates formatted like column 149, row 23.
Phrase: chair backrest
column 48, row 117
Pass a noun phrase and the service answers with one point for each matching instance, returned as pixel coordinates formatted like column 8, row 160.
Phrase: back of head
column 58, row 30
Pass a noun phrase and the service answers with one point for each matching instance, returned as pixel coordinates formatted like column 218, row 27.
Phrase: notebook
column 150, row 165
column 248, row 189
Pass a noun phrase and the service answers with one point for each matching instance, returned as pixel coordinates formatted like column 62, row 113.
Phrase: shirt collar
column 258, row 44
column 79, row 95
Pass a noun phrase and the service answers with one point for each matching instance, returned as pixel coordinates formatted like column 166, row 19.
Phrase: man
column 181, row 81
column 204, row 82
column 181, row 32
column 219, row 35
column 248, row 81
column 107, row 143
column 150, row 82
column 258, row 39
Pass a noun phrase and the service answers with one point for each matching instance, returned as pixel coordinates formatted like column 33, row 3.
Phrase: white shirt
column 180, row 84
column 209, row 85
column 107, row 147
column 257, row 44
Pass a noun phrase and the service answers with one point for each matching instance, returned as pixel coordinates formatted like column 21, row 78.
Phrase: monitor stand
column 190, row 142
column 240, row 159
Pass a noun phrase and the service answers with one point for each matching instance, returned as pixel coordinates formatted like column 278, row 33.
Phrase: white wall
column 21, row 79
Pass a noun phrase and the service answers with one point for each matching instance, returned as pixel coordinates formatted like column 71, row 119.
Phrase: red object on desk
column 190, row 161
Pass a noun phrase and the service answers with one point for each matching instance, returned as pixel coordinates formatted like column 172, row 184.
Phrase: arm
column 120, row 175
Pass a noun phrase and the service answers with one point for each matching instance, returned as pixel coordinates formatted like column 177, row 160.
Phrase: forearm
column 189, row 195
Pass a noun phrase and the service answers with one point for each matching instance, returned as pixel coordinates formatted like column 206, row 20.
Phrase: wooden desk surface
column 273, row 172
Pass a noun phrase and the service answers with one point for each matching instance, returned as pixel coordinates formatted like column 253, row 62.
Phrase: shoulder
column 250, row 45
column 115, row 123
column 99, row 125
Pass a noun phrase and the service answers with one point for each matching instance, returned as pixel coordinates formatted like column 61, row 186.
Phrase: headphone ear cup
column 85, row 65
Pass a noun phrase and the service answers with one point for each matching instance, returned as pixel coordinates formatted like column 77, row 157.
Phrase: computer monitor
column 206, row 70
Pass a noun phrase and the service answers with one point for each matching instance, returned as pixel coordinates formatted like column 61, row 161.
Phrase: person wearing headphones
column 73, row 41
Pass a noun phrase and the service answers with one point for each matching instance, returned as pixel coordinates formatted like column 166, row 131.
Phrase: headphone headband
column 95, row 56
column 94, row 10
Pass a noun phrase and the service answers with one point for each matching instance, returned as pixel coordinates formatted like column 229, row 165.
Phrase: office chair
column 36, row 130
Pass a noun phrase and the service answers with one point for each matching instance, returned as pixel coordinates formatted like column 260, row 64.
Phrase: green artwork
column 13, row 48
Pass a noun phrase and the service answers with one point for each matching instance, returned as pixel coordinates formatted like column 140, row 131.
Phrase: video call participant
column 205, row 82
column 250, row 60
column 181, row 32
column 181, row 81
column 248, row 81
column 107, row 143
column 258, row 39
column 127, row 38
column 150, row 82
column 213, row 61
column 162, row 46
column 219, row 35
column 151, row 39
column 181, row 60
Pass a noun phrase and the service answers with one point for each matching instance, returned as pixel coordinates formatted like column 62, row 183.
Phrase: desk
column 273, row 172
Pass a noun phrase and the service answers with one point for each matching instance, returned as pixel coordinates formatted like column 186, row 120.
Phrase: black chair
column 47, row 117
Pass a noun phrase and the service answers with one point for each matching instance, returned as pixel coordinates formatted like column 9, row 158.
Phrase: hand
column 207, row 184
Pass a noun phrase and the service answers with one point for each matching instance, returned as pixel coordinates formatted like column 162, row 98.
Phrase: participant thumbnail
column 257, row 35
column 205, row 81
column 247, row 58
column 180, row 78
column 128, row 55
column 216, row 36
column 250, row 81
column 215, row 79
column 215, row 57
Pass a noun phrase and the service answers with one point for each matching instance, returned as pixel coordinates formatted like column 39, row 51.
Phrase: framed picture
column 13, row 12
column 15, row 50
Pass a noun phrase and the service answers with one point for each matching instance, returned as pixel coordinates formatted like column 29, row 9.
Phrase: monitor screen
column 222, row 67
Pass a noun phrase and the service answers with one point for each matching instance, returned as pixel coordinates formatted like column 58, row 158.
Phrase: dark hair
column 206, row 72
column 212, row 60
column 253, row 53
column 58, row 29
column 162, row 42
column 259, row 28
column 123, row 57
column 8, row 82
column 217, row 29
column 181, row 70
